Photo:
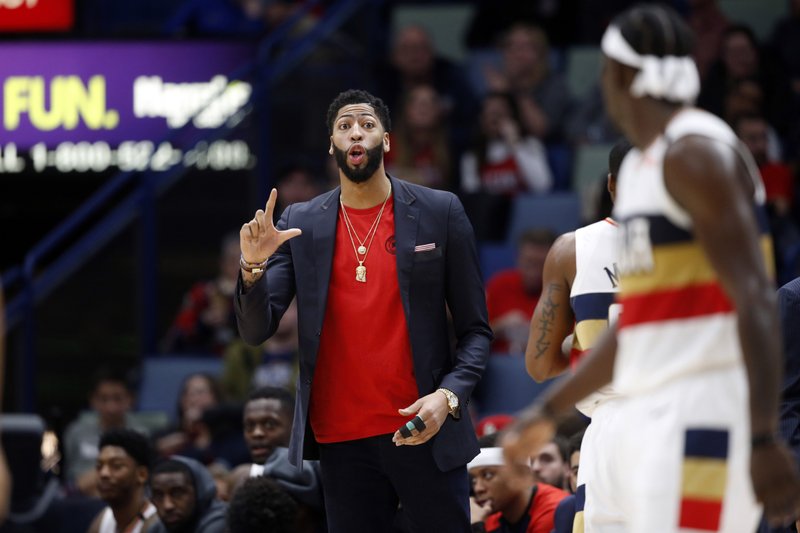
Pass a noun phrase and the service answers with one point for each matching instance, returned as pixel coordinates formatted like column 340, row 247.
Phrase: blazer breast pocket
column 428, row 255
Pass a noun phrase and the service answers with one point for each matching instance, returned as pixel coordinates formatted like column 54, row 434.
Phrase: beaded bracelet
column 254, row 268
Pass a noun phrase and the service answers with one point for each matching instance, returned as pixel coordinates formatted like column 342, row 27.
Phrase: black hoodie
column 209, row 513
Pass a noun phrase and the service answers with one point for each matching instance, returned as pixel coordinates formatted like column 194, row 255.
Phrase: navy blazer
column 430, row 283
column 789, row 302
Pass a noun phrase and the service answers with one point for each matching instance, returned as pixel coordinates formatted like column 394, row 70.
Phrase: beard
column 360, row 174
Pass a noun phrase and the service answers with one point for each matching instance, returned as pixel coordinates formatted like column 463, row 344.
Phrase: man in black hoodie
column 184, row 494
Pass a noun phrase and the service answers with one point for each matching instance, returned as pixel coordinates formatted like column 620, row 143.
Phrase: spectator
column 267, row 421
column 123, row 468
column 784, row 44
column 741, row 60
column 551, row 464
column 420, row 150
column 569, row 513
column 413, row 62
column 261, row 505
column 184, row 494
column 491, row 424
column 297, row 184
column 506, row 501
column 512, row 295
column 110, row 400
column 504, row 160
column 207, row 430
column 268, row 417
column 753, row 130
column 271, row 364
column 542, row 96
column 205, row 323
column 708, row 23
column 778, row 180
column 211, row 18
column 589, row 122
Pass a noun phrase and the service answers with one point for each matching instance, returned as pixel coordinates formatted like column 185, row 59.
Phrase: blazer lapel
column 324, row 239
column 406, row 220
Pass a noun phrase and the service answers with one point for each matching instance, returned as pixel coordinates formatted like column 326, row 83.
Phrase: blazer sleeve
column 467, row 302
column 259, row 309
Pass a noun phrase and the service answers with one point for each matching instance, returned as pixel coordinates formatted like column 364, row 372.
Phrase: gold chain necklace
column 361, row 270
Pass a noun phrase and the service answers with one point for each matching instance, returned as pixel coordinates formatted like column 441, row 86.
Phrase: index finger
column 270, row 207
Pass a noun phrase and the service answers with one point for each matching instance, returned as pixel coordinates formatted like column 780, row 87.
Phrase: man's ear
column 142, row 474
column 386, row 142
column 330, row 149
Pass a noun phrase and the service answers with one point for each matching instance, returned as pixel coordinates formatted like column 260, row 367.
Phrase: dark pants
column 363, row 481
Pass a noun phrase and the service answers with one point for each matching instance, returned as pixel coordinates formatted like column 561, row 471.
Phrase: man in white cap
column 505, row 502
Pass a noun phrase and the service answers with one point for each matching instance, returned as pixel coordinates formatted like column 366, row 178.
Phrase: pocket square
column 425, row 247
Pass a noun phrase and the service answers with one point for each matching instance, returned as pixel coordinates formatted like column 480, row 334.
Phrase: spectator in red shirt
column 511, row 295
column 753, row 130
column 505, row 501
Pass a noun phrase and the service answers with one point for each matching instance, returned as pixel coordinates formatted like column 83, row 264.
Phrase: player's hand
column 259, row 238
column 776, row 483
column 532, row 429
column 479, row 512
column 432, row 409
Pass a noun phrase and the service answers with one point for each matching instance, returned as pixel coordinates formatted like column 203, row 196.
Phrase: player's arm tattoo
column 546, row 320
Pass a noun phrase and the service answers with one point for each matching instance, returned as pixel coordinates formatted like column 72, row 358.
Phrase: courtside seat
column 583, row 69
column 559, row 212
column 496, row 256
column 162, row 377
column 506, row 386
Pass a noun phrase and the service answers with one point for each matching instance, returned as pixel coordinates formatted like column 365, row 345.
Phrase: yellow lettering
column 15, row 98
column 41, row 118
column 71, row 102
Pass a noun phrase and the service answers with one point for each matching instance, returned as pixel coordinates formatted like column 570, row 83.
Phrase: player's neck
column 367, row 194
column 650, row 119
column 127, row 512
column 519, row 507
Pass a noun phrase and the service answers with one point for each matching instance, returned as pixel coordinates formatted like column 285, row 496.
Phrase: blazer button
column 308, row 381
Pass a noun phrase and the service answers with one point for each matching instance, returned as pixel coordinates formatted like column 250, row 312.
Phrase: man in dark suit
column 375, row 265
column 789, row 306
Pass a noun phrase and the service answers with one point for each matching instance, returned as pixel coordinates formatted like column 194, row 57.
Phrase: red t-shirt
column 539, row 516
column 364, row 370
column 778, row 181
column 504, row 293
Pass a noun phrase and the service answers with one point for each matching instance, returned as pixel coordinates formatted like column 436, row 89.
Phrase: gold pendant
column 362, row 250
column 361, row 273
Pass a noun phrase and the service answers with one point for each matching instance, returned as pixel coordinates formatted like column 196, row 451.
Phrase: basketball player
column 579, row 284
column 696, row 350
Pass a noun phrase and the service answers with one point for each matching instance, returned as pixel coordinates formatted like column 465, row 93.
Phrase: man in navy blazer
column 375, row 265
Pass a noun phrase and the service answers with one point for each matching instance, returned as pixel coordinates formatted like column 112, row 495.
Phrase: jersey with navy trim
column 676, row 317
column 592, row 295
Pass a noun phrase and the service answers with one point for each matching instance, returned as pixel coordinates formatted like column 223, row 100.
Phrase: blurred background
column 137, row 137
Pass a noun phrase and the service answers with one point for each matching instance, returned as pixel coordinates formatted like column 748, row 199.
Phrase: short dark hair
column 261, row 505
column 617, row 154
column 488, row 441
column 359, row 96
column 536, row 237
column 657, row 30
column 273, row 393
column 563, row 447
column 136, row 445
column 173, row 466
column 575, row 442
column 108, row 374
column 736, row 123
